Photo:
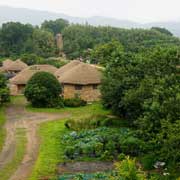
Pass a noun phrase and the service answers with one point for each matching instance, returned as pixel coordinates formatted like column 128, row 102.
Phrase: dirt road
column 18, row 117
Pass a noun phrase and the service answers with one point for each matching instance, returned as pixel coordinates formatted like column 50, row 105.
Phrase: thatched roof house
column 80, row 79
column 16, row 66
column 66, row 68
column 20, row 80
column 6, row 63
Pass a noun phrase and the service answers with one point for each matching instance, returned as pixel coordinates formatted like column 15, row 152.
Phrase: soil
column 19, row 117
column 84, row 167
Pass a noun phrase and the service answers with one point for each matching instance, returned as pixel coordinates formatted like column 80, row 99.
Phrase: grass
column 91, row 109
column 2, row 130
column 51, row 150
column 10, row 167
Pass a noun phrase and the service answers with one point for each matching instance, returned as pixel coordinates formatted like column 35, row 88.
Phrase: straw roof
column 82, row 74
column 67, row 67
column 17, row 65
column 2, row 70
column 7, row 63
column 24, row 76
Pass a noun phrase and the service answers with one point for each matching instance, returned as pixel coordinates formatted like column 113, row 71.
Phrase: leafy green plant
column 74, row 102
column 43, row 90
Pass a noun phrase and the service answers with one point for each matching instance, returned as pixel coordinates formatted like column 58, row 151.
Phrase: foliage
column 127, row 170
column 14, row 38
column 31, row 59
column 102, row 143
column 4, row 91
column 56, row 26
column 74, row 102
column 43, row 90
column 80, row 38
column 162, row 30
column 145, row 89
column 43, row 43
column 103, row 53
column 94, row 121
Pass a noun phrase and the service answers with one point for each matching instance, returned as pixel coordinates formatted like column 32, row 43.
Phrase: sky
column 135, row 10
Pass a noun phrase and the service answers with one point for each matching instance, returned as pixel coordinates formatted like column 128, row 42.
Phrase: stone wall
column 87, row 93
column 16, row 89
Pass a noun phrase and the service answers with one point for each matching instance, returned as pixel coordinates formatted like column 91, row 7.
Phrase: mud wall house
column 18, row 83
column 80, row 79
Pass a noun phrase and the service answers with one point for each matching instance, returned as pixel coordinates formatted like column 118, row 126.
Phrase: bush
column 148, row 161
column 127, row 170
column 43, row 90
column 74, row 102
column 4, row 91
column 94, row 121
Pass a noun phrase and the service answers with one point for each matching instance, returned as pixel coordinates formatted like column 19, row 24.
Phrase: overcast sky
column 136, row 10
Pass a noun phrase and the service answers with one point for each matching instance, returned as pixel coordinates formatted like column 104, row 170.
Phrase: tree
column 162, row 30
column 4, row 91
column 13, row 38
column 43, row 90
column 103, row 53
column 43, row 43
column 56, row 26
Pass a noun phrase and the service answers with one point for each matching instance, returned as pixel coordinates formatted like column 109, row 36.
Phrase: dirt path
column 18, row 117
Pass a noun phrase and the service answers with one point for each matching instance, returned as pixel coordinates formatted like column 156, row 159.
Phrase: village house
column 5, row 64
column 18, row 83
column 16, row 66
column 80, row 80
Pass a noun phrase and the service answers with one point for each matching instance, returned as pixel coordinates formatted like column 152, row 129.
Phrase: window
column 95, row 86
column 78, row 87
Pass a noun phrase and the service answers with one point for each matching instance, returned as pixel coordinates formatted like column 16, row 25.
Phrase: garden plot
column 84, row 167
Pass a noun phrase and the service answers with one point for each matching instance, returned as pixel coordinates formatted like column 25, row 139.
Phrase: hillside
column 36, row 17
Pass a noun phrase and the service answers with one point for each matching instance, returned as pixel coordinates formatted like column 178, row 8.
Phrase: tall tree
column 56, row 26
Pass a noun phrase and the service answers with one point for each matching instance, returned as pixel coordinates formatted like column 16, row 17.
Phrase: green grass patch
column 11, row 167
column 51, row 149
column 95, row 108
column 2, row 130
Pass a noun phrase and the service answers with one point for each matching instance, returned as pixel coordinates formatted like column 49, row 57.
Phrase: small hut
column 80, row 79
column 18, row 83
column 66, row 68
column 16, row 66
column 6, row 63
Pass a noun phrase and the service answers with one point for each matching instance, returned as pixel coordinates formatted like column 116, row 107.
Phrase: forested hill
column 17, row 39
column 79, row 38
column 36, row 17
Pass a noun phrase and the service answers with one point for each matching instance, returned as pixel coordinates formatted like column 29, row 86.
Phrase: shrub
column 94, row 121
column 4, row 91
column 43, row 90
column 74, row 102
column 127, row 170
column 148, row 161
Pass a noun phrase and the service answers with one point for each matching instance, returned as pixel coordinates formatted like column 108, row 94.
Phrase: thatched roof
column 7, row 63
column 17, row 65
column 24, row 76
column 2, row 70
column 67, row 67
column 82, row 74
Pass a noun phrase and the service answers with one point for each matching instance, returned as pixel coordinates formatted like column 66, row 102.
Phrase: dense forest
column 17, row 39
